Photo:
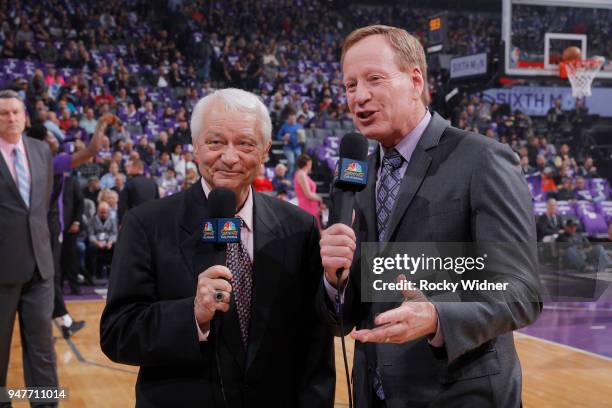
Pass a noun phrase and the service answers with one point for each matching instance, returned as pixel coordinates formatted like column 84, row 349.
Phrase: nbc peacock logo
column 229, row 226
column 354, row 167
column 353, row 171
column 209, row 231
column 229, row 230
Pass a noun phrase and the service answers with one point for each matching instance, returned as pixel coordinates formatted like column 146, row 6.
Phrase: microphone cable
column 339, row 307
column 221, row 205
column 217, row 322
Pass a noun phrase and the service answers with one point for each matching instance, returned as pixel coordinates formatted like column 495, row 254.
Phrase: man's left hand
column 415, row 317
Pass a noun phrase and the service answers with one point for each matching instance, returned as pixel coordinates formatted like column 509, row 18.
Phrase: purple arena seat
column 324, row 152
column 565, row 208
column 594, row 224
column 539, row 208
column 583, row 206
column 332, row 142
column 535, row 187
column 598, row 195
column 599, row 183
column 605, row 209
column 331, row 162
column 584, row 195
column 168, row 123
column 600, row 189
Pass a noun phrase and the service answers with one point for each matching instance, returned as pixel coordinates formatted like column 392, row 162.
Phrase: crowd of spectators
column 559, row 168
column 531, row 22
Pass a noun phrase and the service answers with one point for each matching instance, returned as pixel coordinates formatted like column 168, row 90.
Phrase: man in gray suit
column 26, row 277
column 428, row 182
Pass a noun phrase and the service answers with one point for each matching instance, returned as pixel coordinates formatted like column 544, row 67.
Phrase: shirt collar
column 19, row 143
column 407, row 145
column 8, row 147
column 246, row 212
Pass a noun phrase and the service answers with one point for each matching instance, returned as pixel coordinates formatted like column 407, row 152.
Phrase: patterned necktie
column 21, row 177
column 388, row 188
column 239, row 264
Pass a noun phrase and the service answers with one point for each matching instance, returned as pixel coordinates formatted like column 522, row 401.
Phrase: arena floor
column 555, row 375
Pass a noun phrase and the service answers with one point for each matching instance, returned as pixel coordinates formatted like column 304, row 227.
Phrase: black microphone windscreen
column 354, row 146
column 221, row 203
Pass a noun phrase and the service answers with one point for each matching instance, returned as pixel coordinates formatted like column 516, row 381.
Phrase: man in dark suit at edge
column 271, row 349
column 138, row 189
column 428, row 182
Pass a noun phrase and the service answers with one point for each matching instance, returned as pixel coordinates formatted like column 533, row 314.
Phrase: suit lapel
column 6, row 174
column 266, row 271
column 412, row 180
column 198, row 257
column 416, row 171
column 35, row 171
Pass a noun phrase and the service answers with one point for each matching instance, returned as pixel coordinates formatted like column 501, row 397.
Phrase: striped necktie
column 21, row 177
column 239, row 264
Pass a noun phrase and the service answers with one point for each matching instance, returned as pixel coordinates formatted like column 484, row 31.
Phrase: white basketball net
column 581, row 74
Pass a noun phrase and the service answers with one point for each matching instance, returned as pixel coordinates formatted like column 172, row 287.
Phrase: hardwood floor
column 553, row 375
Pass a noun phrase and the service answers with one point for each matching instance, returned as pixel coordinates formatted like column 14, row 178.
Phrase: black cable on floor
column 339, row 307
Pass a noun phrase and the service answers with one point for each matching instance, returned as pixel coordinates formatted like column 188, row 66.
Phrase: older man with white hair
column 269, row 349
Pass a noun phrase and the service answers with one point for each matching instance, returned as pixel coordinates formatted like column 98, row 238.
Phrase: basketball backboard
column 535, row 33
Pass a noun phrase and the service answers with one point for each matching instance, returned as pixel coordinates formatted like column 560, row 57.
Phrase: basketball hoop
column 581, row 73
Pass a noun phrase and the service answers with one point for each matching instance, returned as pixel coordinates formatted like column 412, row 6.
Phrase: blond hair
column 408, row 50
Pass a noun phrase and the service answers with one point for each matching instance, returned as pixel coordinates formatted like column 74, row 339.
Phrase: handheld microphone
column 221, row 228
column 218, row 230
column 350, row 177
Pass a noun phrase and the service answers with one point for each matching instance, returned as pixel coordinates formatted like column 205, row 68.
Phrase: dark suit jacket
column 25, row 243
column 149, row 316
column 138, row 189
column 458, row 187
column 545, row 227
column 73, row 201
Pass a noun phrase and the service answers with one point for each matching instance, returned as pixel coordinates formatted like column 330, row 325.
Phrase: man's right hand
column 338, row 244
column 212, row 280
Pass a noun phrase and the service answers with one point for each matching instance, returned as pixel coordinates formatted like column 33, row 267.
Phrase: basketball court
column 566, row 356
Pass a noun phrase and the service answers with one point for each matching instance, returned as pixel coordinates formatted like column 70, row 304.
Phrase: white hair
column 234, row 100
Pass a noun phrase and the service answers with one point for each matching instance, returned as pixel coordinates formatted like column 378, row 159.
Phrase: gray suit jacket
column 24, row 233
column 458, row 187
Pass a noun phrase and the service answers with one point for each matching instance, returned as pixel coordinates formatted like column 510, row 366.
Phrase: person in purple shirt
column 132, row 117
column 75, row 131
column 63, row 163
